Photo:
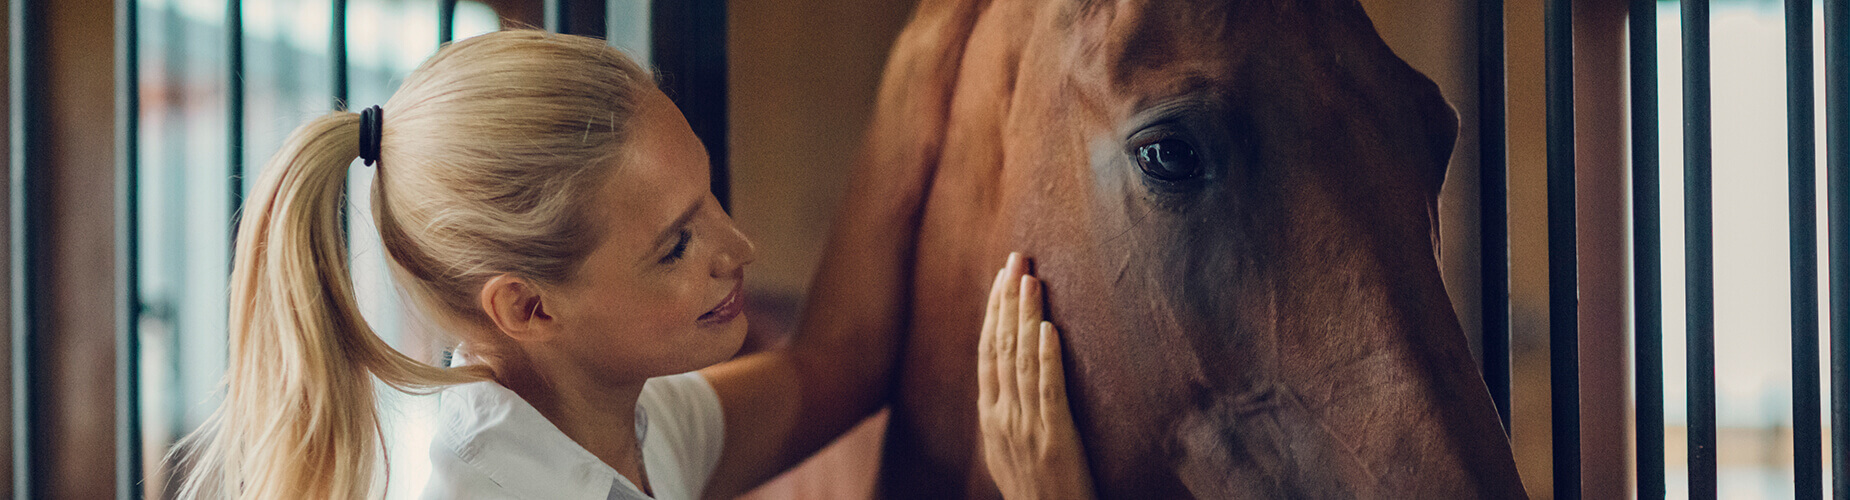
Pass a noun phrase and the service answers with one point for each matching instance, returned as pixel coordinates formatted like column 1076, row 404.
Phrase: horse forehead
column 1156, row 46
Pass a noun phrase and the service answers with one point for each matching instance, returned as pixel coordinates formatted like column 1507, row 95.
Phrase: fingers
column 1007, row 340
column 1025, row 420
column 986, row 377
column 1052, row 378
column 1027, row 356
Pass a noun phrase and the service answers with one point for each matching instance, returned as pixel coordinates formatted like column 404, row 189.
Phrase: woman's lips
column 728, row 308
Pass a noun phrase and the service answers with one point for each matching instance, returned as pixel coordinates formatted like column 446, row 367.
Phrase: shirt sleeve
column 685, row 434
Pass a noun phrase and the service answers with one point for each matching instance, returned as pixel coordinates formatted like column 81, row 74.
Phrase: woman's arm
column 784, row 404
column 1029, row 441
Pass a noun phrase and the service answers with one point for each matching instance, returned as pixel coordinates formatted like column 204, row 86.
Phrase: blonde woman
column 545, row 205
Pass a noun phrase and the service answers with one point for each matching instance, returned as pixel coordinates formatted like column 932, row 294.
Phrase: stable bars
column 1802, row 183
column 1837, row 163
column 1647, row 265
column 1493, row 208
column 1563, row 264
column 1698, row 246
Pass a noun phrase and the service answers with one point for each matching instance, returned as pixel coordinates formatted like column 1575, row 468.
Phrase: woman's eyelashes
column 680, row 247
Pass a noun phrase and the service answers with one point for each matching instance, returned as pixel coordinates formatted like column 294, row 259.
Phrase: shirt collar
column 492, row 429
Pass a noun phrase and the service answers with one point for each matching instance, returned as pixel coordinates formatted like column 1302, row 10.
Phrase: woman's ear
column 517, row 309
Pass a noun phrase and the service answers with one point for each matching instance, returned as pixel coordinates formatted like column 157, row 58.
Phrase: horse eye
column 1169, row 160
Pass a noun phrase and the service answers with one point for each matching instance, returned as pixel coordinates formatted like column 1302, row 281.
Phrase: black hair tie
column 372, row 130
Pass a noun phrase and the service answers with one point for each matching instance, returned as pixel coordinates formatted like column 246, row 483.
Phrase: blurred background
column 799, row 78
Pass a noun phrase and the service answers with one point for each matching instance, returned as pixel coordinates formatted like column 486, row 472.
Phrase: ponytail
column 496, row 146
column 299, row 418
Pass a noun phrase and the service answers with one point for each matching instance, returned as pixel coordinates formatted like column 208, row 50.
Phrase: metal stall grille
column 1698, row 218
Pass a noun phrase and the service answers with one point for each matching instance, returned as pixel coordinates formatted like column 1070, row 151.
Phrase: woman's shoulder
column 684, row 433
column 685, row 390
column 682, row 408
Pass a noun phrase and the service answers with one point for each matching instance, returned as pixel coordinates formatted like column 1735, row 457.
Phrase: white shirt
column 491, row 444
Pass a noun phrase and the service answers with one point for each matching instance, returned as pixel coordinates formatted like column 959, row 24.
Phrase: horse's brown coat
column 1273, row 327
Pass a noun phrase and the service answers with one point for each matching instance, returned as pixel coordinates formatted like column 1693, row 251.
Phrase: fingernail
column 1014, row 261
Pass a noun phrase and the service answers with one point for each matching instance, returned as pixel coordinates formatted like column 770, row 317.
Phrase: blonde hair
column 491, row 151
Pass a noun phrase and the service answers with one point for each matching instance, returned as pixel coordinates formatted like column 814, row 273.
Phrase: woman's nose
column 736, row 251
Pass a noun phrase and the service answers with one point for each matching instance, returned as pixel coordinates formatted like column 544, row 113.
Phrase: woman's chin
column 734, row 334
column 727, row 339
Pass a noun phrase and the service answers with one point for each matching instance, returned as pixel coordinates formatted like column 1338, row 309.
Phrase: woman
column 544, row 204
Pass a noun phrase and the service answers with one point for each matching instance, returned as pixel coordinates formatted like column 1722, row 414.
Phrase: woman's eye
column 1169, row 159
column 680, row 248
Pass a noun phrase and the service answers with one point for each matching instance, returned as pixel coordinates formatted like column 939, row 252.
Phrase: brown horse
column 1232, row 204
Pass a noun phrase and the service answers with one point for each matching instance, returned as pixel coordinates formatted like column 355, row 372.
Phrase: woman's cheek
column 696, row 289
column 679, row 304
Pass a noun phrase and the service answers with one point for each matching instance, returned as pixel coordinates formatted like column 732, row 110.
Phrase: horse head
column 1233, row 206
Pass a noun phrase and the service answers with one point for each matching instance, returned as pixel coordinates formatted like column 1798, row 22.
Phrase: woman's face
column 663, row 292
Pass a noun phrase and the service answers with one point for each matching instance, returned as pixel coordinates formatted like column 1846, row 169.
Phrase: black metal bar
column 446, row 21
column 128, row 239
column 689, row 47
column 558, row 16
column 1698, row 212
column 337, row 55
column 576, row 18
column 341, row 84
column 1647, row 275
column 1493, row 209
column 234, row 108
column 1563, row 267
column 23, row 96
column 1837, row 164
column 1802, row 185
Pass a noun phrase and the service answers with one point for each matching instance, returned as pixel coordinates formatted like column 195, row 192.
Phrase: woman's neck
column 600, row 417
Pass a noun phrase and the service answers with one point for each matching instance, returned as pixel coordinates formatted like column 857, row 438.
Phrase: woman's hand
column 1029, row 442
